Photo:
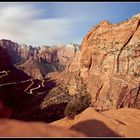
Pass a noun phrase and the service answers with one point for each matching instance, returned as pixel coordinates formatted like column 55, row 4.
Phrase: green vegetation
column 136, row 74
column 74, row 104
column 116, row 42
column 57, row 95
column 78, row 102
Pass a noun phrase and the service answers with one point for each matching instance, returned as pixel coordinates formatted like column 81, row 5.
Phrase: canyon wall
column 39, row 61
column 109, row 61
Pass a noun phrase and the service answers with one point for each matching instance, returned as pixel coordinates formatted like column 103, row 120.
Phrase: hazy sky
column 49, row 23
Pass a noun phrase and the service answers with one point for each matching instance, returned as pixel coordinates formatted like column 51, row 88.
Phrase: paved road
column 5, row 73
column 32, row 83
column 13, row 83
column 43, row 83
column 29, row 86
column 34, row 89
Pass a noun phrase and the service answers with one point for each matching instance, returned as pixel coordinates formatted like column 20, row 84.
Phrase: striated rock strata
column 45, row 58
column 109, row 61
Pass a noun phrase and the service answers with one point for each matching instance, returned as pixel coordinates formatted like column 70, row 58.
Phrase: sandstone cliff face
column 5, row 61
column 15, row 51
column 48, row 59
column 61, row 55
column 43, row 54
column 109, row 61
column 11, row 49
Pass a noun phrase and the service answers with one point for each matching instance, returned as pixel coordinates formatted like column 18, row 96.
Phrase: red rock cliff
column 109, row 61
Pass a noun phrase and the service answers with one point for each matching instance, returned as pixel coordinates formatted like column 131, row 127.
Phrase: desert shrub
column 136, row 74
column 77, row 104
column 57, row 95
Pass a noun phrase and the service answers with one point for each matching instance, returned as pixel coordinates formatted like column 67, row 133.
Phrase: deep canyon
column 98, row 79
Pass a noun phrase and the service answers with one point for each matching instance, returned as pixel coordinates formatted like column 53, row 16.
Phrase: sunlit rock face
column 34, row 129
column 45, row 59
column 124, row 122
column 109, row 61
column 38, row 61
column 12, row 49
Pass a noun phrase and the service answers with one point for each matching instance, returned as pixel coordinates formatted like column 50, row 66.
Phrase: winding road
column 32, row 83
column 43, row 83
column 29, row 86
column 5, row 73
column 13, row 83
column 34, row 89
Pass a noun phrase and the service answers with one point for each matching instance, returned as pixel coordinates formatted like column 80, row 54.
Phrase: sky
column 51, row 23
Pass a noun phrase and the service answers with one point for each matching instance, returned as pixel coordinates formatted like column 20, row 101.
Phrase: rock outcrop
column 16, row 128
column 109, row 61
column 113, row 123
column 5, row 61
column 12, row 49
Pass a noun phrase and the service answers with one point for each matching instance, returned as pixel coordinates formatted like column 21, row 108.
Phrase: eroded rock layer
column 109, row 61
column 39, row 61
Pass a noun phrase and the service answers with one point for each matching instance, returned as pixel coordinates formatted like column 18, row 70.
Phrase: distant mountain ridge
column 47, row 58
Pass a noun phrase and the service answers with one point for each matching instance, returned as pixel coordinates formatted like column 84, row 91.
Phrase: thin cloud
column 57, row 23
column 21, row 24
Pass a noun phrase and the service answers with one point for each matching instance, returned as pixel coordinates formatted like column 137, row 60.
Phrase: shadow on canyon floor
column 26, row 107
column 94, row 128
